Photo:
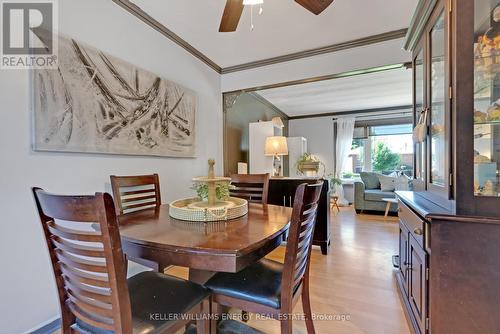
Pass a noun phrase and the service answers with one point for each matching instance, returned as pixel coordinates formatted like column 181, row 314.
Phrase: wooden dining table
column 205, row 248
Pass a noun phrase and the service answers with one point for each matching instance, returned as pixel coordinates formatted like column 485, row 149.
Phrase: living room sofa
column 368, row 194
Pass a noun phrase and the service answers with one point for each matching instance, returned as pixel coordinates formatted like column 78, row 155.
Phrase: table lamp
column 276, row 146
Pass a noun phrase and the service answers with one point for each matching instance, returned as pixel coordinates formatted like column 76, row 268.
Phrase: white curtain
column 343, row 144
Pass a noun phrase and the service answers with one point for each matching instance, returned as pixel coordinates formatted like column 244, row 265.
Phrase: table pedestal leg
column 200, row 276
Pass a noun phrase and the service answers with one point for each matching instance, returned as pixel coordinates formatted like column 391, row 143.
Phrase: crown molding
column 153, row 23
column 321, row 78
column 395, row 109
column 149, row 20
column 387, row 36
column 417, row 24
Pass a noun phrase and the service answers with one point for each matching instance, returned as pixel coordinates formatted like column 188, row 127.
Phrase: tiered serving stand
column 210, row 210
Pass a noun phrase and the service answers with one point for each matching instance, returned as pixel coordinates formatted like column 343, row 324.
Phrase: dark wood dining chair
column 135, row 193
column 94, row 294
column 269, row 287
column 252, row 187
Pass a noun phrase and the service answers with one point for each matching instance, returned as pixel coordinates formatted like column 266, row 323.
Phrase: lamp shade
column 276, row 146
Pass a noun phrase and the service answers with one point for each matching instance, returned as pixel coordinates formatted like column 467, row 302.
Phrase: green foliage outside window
column 383, row 159
column 357, row 142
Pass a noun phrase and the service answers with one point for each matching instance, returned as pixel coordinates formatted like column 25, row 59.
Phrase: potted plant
column 335, row 184
column 335, row 181
column 221, row 191
column 308, row 164
column 347, row 175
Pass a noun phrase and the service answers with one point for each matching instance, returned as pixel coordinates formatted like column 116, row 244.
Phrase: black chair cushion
column 259, row 283
column 156, row 300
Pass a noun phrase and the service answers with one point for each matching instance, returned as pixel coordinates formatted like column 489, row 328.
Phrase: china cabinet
column 449, row 254
column 456, row 84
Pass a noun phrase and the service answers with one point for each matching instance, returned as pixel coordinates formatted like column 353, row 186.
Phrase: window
column 381, row 148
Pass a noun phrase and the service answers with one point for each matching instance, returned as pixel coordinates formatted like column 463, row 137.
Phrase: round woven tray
column 192, row 209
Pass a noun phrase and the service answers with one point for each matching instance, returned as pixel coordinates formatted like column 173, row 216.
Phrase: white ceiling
column 389, row 88
column 284, row 27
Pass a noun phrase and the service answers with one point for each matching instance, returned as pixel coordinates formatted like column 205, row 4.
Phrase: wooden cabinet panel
column 452, row 283
column 417, row 292
column 403, row 254
column 414, row 223
column 281, row 193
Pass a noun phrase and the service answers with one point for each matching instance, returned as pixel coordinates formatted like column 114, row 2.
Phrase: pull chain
column 251, row 18
column 251, row 15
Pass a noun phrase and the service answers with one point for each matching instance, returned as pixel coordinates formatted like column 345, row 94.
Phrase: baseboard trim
column 48, row 328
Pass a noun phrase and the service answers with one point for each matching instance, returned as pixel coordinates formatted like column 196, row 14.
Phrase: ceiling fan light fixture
column 234, row 8
column 252, row 2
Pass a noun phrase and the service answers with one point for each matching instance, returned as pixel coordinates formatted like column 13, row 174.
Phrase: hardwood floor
column 355, row 280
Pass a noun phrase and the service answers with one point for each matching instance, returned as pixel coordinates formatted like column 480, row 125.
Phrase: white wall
column 319, row 134
column 374, row 55
column 318, row 131
column 27, row 288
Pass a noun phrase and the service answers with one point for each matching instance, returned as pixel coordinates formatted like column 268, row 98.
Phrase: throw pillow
column 387, row 183
column 370, row 180
column 403, row 183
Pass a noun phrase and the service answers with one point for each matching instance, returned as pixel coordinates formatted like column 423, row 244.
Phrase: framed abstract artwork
column 98, row 103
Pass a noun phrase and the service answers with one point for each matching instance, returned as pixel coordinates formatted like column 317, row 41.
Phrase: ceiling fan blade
column 231, row 16
column 314, row 6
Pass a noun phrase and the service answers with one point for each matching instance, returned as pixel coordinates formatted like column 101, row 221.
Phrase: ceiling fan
column 234, row 8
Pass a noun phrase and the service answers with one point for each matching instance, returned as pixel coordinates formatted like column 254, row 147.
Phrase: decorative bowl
column 192, row 209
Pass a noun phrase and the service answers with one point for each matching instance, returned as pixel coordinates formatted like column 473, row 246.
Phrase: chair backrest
column 135, row 193
column 252, row 187
column 85, row 249
column 300, row 237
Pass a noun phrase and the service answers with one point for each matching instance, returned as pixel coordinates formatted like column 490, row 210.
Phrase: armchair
column 370, row 199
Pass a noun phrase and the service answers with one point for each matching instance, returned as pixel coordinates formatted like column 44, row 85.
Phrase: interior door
column 418, row 282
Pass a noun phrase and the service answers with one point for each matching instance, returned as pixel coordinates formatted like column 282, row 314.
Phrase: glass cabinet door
column 438, row 152
column 486, row 97
column 419, row 85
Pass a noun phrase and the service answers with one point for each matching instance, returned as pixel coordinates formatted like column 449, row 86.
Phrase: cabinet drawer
column 414, row 223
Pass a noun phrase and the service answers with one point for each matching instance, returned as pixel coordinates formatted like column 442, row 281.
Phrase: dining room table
column 204, row 247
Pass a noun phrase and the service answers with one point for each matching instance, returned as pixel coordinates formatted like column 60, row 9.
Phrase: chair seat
column 155, row 300
column 259, row 283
